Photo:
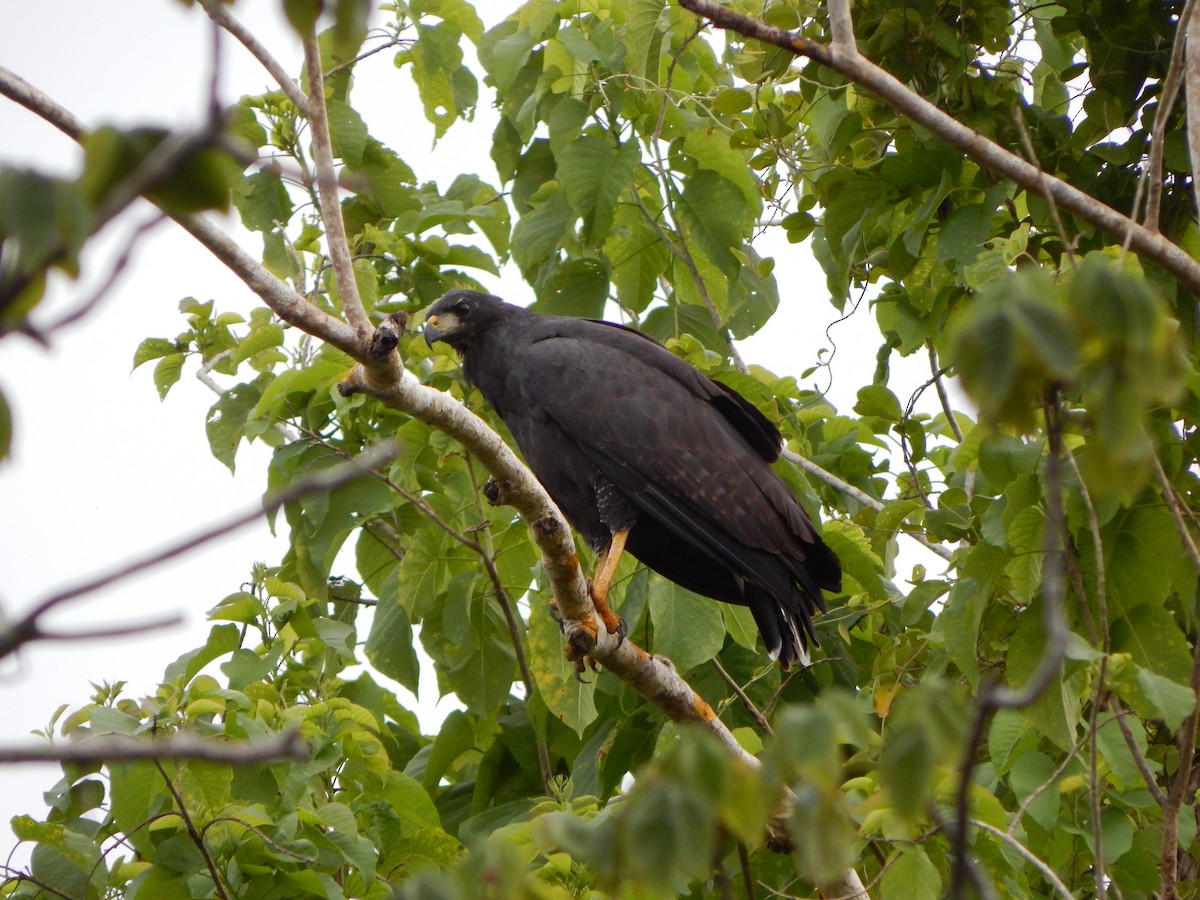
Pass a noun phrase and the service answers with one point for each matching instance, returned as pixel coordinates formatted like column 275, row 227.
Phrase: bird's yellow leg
column 605, row 571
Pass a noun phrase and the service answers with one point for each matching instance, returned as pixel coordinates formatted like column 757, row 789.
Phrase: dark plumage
column 626, row 436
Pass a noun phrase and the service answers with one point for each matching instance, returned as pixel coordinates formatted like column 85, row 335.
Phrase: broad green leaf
column 390, row 646
column 1173, row 701
column 263, row 338
column 263, row 201
column 877, row 400
column 594, row 175
column 906, row 767
column 913, row 876
column 858, row 559
column 1055, row 713
column 226, row 423
column 577, row 288
column 539, row 233
column 568, row 699
column 348, row 132
column 167, row 372
column 153, row 348
column 739, row 622
column 710, row 148
column 222, row 640
column 688, row 629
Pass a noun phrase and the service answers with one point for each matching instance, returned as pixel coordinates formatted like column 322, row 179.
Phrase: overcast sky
column 101, row 470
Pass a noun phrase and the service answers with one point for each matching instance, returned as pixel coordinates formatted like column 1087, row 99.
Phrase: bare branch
column 110, row 748
column 219, row 13
column 841, row 30
column 986, row 153
column 1192, row 80
column 20, row 91
column 327, row 189
column 861, row 496
column 1152, row 174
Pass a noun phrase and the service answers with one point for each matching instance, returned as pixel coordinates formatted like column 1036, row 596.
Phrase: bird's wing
column 666, row 444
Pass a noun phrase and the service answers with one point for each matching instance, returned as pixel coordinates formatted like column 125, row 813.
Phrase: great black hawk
column 643, row 452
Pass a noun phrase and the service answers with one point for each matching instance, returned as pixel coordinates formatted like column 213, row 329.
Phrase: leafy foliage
column 638, row 161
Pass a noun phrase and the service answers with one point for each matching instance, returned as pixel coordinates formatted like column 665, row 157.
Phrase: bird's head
column 461, row 316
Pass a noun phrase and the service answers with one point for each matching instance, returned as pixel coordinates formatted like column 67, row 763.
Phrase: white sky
column 101, row 471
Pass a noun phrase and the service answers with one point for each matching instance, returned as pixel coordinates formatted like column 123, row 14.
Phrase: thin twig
column 939, row 383
column 1047, row 872
column 194, row 833
column 861, row 496
column 743, row 696
column 1139, row 758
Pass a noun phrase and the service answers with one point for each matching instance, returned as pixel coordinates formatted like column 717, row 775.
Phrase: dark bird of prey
column 643, row 452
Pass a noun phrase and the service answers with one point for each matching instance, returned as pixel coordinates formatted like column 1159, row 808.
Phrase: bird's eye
column 463, row 308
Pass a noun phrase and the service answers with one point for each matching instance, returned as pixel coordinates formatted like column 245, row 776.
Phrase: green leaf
column 348, row 132
column 153, row 348
column 390, row 647
column 226, row 422
column 568, row 699
column 859, row 561
column 577, row 288
column 455, row 738
column 739, row 622
column 1173, row 701
column 222, row 640
column 6, row 427
column 688, row 629
column 167, row 372
column 594, row 174
column 877, row 400
column 263, row 201
column 262, row 338
column 1013, row 343
column 447, row 89
column 913, row 876
column 710, row 148
column 1055, row 713
column 538, row 234
column 906, row 767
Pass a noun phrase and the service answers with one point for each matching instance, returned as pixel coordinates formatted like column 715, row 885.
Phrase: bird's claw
column 557, row 616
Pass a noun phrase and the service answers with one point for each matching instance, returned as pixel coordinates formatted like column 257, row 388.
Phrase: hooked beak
column 436, row 327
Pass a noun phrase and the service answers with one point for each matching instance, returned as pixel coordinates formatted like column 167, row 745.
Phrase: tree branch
column 986, row 153
column 845, row 487
column 1152, row 175
column 1192, row 87
column 110, row 748
column 219, row 13
column 327, row 190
